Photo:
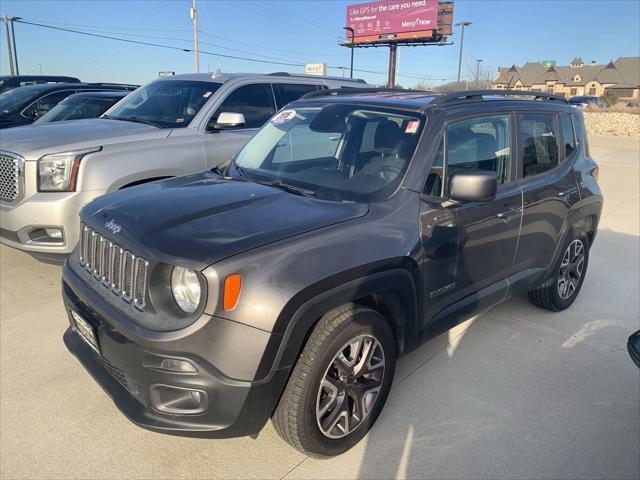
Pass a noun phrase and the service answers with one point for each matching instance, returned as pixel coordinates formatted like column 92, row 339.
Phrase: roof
column 624, row 71
column 102, row 94
column 225, row 77
column 420, row 101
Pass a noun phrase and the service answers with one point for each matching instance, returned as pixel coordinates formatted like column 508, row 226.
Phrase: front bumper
column 41, row 210
column 127, row 371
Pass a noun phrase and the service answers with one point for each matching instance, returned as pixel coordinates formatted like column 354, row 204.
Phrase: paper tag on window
column 207, row 94
column 283, row 116
column 412, row 126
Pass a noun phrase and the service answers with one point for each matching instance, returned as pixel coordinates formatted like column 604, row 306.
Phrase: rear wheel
column 562, row 286
column 339, row 384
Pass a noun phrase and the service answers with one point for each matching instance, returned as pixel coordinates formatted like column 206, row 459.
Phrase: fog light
column 178, row 366
column 178, row 400
column 54, row 233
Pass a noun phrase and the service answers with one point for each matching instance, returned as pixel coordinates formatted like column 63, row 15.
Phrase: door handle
column 567, row 192
column 509, row 213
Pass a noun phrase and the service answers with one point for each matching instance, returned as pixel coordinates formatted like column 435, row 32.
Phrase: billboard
column 387, row 19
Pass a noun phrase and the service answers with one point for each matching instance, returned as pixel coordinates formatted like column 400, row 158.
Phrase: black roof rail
column 108, row 84
column 279, row 74
column 480, row 94
column 357, row 91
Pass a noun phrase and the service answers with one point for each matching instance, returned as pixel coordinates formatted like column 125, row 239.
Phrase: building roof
column 625, row 70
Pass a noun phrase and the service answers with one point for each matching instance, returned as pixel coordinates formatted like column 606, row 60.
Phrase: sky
column 504, row 32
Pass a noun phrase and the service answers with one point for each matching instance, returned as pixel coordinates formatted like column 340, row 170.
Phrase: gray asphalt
column 515, row 393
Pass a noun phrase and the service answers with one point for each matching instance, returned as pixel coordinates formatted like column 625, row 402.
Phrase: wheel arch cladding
column 389, row 288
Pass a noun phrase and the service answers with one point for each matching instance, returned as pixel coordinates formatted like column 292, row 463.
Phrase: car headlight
column 58, row 172
column 186, row 289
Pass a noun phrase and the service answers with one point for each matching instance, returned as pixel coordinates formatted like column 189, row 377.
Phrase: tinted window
column 75, row 107
column 478, row 144
column 286, row 93
column 47, row 102
column 567, row 134
column 165, row 103
column 539, row 140
column 255, row 102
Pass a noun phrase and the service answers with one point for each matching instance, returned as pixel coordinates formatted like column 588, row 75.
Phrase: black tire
column 296, row 418
column 549, row 294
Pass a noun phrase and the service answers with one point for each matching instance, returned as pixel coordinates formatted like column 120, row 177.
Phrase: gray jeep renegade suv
column 353, row 227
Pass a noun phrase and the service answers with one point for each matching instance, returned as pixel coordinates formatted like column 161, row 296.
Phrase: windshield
column 167, row 104
column 73, row 108
column 336, row 151
column 16, row 99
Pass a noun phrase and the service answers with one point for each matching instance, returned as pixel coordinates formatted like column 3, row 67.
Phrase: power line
column 189, row 50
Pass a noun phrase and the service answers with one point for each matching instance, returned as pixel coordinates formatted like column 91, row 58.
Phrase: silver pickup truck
column 172, row 126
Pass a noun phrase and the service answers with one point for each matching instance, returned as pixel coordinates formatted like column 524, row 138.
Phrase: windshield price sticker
column 412, row 126
column 283, row 116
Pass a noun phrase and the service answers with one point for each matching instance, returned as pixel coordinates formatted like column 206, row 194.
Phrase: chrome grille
column 115, row 268
column 9, row 177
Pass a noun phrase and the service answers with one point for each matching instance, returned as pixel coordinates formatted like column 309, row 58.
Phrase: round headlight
column 186, row 289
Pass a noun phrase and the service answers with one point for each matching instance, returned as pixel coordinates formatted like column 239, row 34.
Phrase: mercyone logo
column 418, row 22
column 112, row 226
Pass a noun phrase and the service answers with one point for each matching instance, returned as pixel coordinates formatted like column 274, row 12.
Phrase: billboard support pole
column 10, row 50
column 393, row 54
column 353, row 37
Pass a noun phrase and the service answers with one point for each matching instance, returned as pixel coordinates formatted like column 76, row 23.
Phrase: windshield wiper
column 133, row 119
column 305, row 192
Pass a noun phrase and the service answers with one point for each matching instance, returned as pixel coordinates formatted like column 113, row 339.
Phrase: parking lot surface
column 517, row 392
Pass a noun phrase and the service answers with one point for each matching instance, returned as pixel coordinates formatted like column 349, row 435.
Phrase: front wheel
column 339, row 384
column 562, row 286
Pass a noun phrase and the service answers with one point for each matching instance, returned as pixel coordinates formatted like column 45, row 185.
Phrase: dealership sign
column 391, row 17
column 315, row 68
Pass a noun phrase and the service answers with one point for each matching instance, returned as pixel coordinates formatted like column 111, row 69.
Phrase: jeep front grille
column 9, row 177
column 117, row 269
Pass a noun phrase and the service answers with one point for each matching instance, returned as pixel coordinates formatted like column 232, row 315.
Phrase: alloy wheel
column 571, row 269
column 350, row 386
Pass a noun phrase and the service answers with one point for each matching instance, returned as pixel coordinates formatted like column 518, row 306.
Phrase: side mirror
column 228, row 121
column 473, row 186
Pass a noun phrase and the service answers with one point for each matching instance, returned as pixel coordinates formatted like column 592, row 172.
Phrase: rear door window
column 290, row 92
column 254, row 101
column 538, row 134
column 47, row 102
column 568, row 135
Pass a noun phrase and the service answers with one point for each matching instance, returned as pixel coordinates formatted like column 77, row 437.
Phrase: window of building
column 592, row 91
column 477, row 144
column 574, row 91
column 539, row 140
column 568, row 135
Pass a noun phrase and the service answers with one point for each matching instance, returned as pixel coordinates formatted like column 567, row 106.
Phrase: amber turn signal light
column 232, row 285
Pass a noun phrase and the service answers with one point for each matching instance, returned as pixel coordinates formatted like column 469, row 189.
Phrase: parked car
column 81, row 105
column 9, row 82
column 586, row 101
column 22, row 106
column 353, row 227
column 173, row 126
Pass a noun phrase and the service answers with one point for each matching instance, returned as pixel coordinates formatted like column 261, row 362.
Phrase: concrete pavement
column 515, row 393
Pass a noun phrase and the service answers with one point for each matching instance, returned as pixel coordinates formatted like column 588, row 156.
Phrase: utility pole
column 461, row 24
column 9, row 48
column 353, row 35
column 478, row 72
column 13, row 38
column 393, row 54
column 194, row 17
column 40, row 68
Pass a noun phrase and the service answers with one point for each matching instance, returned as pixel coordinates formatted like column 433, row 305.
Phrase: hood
column 198, row 220
column 33, row 141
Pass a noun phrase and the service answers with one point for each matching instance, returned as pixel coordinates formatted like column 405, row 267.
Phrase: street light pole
column 461, row 24
column 9, row 48
column 353, row 35
column 478, row 71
